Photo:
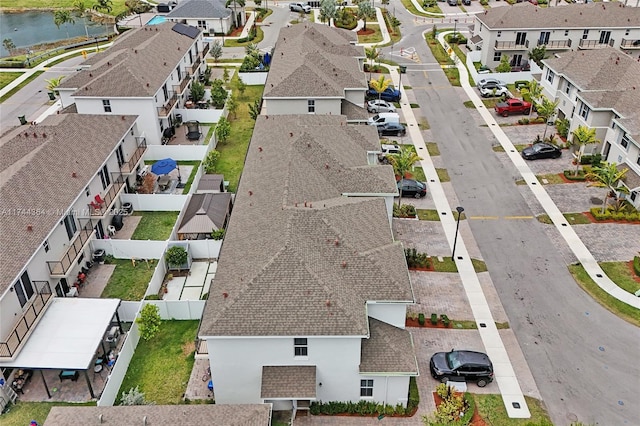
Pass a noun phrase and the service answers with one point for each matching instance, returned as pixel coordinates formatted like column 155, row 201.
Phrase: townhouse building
column 310, row 295
column 147, row 72
column 514, row 31
column 60, row 181
column 316, row 69
column 600, row 89
column 212, row 17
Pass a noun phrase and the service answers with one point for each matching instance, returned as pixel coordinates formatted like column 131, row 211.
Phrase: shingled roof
column 137, row 65
column 578, row 16
column 607, row 78
column 288, row 381
column 388, row 349
column 299, row 258
column 314, row 60
column 162, row 415
column 201, row 9
column 36, row 182
column 205, row 213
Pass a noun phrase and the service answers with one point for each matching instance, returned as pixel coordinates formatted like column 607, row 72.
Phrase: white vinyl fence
column 131, row 249
column 205, row 249
column 507, row 77
column 155, row 202
column 202, row 115
column 253, row 78
column 177, row 152
column 119, row 370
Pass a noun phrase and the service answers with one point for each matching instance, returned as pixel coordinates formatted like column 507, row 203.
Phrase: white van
column 384, row 118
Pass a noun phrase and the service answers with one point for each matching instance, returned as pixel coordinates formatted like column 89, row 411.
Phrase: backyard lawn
column 155, row 226
column 234, row 150
column 161, row 366
column 129, row 282
column 22, row 413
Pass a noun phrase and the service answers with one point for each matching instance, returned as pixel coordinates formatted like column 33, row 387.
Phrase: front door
column 99, row 230
column 521, row 38
column 607, row 148
column 516, row 61
column 120, row 156
column 544, row 37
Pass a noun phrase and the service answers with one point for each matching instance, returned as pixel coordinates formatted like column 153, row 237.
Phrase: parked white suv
column 300, row 7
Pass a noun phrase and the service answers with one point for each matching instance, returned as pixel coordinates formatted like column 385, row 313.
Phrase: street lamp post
column 97, row 46
column 455, row 27
column 459, row 209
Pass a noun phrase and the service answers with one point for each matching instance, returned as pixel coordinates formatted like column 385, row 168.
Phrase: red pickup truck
column 513, row 106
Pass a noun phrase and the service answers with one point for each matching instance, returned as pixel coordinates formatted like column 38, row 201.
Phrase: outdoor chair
column 99, row 200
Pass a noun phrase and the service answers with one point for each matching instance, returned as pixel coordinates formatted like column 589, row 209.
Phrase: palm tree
column 583, row 136
column 9, row 45
column 236, row 3
column 53, row 83
column 328, row 10
column 546, row 109
column 607, row 176
column 402, row 163
column 372, row 54
column 380, row 85
column 80, row 11
column 63, row 17
column 534, row 91
column 104, row 6
column 365, row 11
column 136, row 7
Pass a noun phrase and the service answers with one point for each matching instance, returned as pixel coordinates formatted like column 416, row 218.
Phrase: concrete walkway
column 386, row 37
column 581, row 252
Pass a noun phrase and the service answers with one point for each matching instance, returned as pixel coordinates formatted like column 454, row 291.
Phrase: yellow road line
column 518, row 217
column 484, row 217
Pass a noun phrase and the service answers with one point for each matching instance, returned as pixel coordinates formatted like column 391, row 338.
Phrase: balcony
column 60, row 268
column 205, row 49
column 556, row 44
column 183, row 84
column 130, row 166
column 165, row 110
column 117, row 182
column 630, row 44
column 594, row 44
column 32, row 310
column 511, row 45
column 194, row 67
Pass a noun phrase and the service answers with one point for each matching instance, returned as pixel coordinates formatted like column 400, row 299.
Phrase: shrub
column 406, row 210
column 217, row 234
column 149, row 321
column 562, row 124
column 421, row 319
column 484, row 2
column 176, row 256
column 636, row 265
column 134, row 397
column 521, row 83
column 414, row 397
column 434, row 319
column 445, row 320
column 416, row 259
column 210, row 161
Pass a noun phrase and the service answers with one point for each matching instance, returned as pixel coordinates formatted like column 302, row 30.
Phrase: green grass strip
column 20, row 86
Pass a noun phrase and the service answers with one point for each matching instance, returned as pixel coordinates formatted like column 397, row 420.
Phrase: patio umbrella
column 163, row 167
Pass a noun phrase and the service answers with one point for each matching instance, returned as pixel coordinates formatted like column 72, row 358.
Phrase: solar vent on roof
column 191, row 32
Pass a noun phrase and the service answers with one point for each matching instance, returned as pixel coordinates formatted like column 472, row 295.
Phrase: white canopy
column 68, row 334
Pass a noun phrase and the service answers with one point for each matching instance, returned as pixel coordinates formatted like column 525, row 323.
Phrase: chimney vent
column 29, row 228
column 225, row 294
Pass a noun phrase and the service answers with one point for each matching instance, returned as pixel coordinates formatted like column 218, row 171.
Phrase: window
column 311, row 106
column 300, row 347
column 202, row 24
column 70, row 226
column 366, row 388
column 585, row 34
column 633, row 195
column 104, row 177
column 550, row 76
column 179, row 73
column 568, row 88
column 566, row 33
column 23, row 289
column 497, row 55
column 499, row 33
column 638, row 160
column 625, row 141
column 627, row 32
column 106, row 104
column 86, row 191
column 46, row 246
column 584, row 111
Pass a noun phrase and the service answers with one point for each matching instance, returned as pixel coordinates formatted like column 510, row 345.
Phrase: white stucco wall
column 278, row 106
column 236, row 366
column 391, row 390
column 391, row 313
column 356, row 96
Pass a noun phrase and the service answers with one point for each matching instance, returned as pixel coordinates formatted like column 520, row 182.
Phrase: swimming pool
column 157, row 20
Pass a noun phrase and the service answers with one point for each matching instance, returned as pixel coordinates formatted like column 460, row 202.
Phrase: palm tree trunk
column 604, row 202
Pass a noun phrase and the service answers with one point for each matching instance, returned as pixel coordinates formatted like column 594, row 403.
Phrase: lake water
column 30, row 28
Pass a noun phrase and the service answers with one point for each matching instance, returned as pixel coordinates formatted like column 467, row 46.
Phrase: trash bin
column 98, row 256
column 52, row 96
column 23, row 120
column 178, row 119
column 117, row 222
column 127, row 208
column 403, row 69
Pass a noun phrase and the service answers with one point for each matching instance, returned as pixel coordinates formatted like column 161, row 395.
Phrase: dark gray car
column 467, row 365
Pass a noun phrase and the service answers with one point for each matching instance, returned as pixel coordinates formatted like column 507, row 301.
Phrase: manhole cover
column 572, row 417
column 596, row 201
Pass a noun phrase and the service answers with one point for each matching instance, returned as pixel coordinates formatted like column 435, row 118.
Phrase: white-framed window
column 566, row 33
column 87, row 192
column 300, row 347
column 202, row 24
column 624, row 141
column 627, row 32
column 499, row 33
column 23, row 289
column 584, row 111
column 585, row 34
column 45, row 245
column 311, row 106
column 366, row 388
column 106, row 105
column 638, row 160
column 568, row 88
column 633, row 194
column 550, row 76
column 497, row 55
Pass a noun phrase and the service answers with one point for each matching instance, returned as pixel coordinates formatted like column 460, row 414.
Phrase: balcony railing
column 556, row 44
column 511, row 45
column 59, row 268
column 117, row 182
column 205, row 49
column 130, row 166
column 32, row 310
column 165, row 110
column 594, row 44
column 630, row 44
column 195, row 66
column 183, row 84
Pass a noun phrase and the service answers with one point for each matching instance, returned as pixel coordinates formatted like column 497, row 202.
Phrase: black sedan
column 392, row 129
column 541, row 150
column 470, row 365
column 412, row 188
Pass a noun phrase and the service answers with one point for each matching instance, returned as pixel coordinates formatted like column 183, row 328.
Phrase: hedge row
column 636, row 265
column 611, row 215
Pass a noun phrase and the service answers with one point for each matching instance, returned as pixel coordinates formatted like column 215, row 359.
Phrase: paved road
column 578, row 352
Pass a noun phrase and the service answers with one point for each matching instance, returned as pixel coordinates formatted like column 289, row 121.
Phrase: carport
column 67, row 337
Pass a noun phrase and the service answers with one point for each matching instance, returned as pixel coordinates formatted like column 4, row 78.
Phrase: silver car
column 490, row 82
column 379, row 105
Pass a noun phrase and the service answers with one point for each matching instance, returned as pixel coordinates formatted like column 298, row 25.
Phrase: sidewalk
column 578, row 248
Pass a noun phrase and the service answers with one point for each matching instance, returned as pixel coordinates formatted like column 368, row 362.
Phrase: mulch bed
column 410, row 322
column 476, row 420
column 633, row 271
column 565, row 180
column 429, row 268
column 594, row 220
column 368, row 31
